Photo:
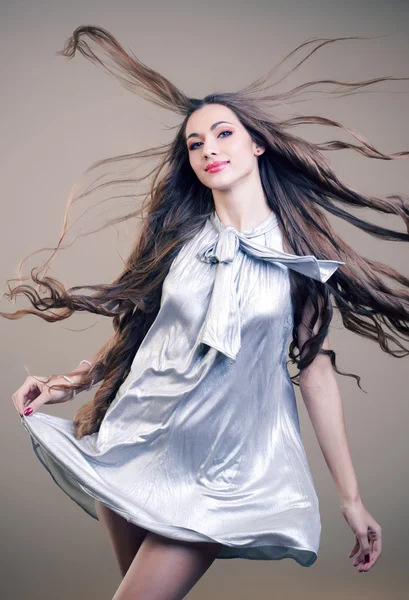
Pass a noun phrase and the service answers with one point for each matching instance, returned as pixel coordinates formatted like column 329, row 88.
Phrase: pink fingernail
column 28, row 411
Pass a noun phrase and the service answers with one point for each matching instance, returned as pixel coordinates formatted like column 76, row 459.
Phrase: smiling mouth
column 219, row 167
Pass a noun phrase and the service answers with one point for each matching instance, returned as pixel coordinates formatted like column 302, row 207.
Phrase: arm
column 323, row 402
column 77, row 374
column 322, row 399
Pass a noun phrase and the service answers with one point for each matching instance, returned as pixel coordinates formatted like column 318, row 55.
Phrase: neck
column 244, row 206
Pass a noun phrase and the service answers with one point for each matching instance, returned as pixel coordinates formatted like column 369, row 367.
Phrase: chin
column 222, row 187
column 223, row 183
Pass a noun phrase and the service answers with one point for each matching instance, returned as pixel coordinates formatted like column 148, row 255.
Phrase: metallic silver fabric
column 202, row 441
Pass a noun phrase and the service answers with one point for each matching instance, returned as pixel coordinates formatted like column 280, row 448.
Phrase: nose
column 209, row 148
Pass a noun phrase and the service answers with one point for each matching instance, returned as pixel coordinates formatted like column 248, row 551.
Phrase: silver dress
column 202, row 441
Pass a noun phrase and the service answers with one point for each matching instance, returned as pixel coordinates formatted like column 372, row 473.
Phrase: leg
column 125, row 537
column 165, row 569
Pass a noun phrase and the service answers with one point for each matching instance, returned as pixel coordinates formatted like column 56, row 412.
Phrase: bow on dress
column 221, row 327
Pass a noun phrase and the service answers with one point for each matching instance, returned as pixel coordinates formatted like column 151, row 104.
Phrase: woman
column 191, row 448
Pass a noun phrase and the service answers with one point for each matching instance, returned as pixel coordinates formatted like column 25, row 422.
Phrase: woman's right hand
column 35, row 392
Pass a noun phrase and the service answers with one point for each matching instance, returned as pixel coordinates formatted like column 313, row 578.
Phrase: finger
column 375, row 548
column 354, row 549
column 20, row 400
column 36, row 404
column 364, row 549
column 364, row 544
column 362, row 564
column 372, row 560
column 376, row 551
column 357, row 561
column 15, row 404
column 29, row 387
column 365, row 556
column 365, row 565
column 377, row 545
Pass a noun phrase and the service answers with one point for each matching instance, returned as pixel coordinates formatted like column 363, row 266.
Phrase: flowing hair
column 299, row 185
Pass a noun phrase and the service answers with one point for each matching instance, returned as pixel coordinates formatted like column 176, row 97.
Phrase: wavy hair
column 300, row 187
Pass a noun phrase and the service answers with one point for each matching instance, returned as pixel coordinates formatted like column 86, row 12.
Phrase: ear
column 259, row 150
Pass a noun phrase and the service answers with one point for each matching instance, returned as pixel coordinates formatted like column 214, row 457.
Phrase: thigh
column 166, row 569
column 125, row 537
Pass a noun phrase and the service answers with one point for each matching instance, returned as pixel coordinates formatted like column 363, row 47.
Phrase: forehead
column 204, row 117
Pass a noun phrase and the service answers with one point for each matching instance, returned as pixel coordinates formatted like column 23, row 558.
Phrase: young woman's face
column 214, row 134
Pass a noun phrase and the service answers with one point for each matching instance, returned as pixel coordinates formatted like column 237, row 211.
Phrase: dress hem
column 259, row 552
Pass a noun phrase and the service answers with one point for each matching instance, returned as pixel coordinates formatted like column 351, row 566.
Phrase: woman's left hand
column 368, row 534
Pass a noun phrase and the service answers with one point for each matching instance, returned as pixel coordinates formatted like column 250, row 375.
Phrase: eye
column 193, row 146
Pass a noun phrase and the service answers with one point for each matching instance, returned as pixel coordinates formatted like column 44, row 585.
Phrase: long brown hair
column 299, row 185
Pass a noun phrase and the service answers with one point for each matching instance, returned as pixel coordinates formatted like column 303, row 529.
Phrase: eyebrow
column 211, row 129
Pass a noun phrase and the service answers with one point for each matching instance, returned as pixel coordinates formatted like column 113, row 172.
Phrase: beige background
column 57, row 118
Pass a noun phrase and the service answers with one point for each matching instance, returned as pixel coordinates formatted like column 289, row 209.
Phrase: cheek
column 197, row 167
column 242, row 158
column 240, row 151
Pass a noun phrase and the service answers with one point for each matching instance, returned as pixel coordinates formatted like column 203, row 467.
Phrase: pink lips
column 216, row 166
